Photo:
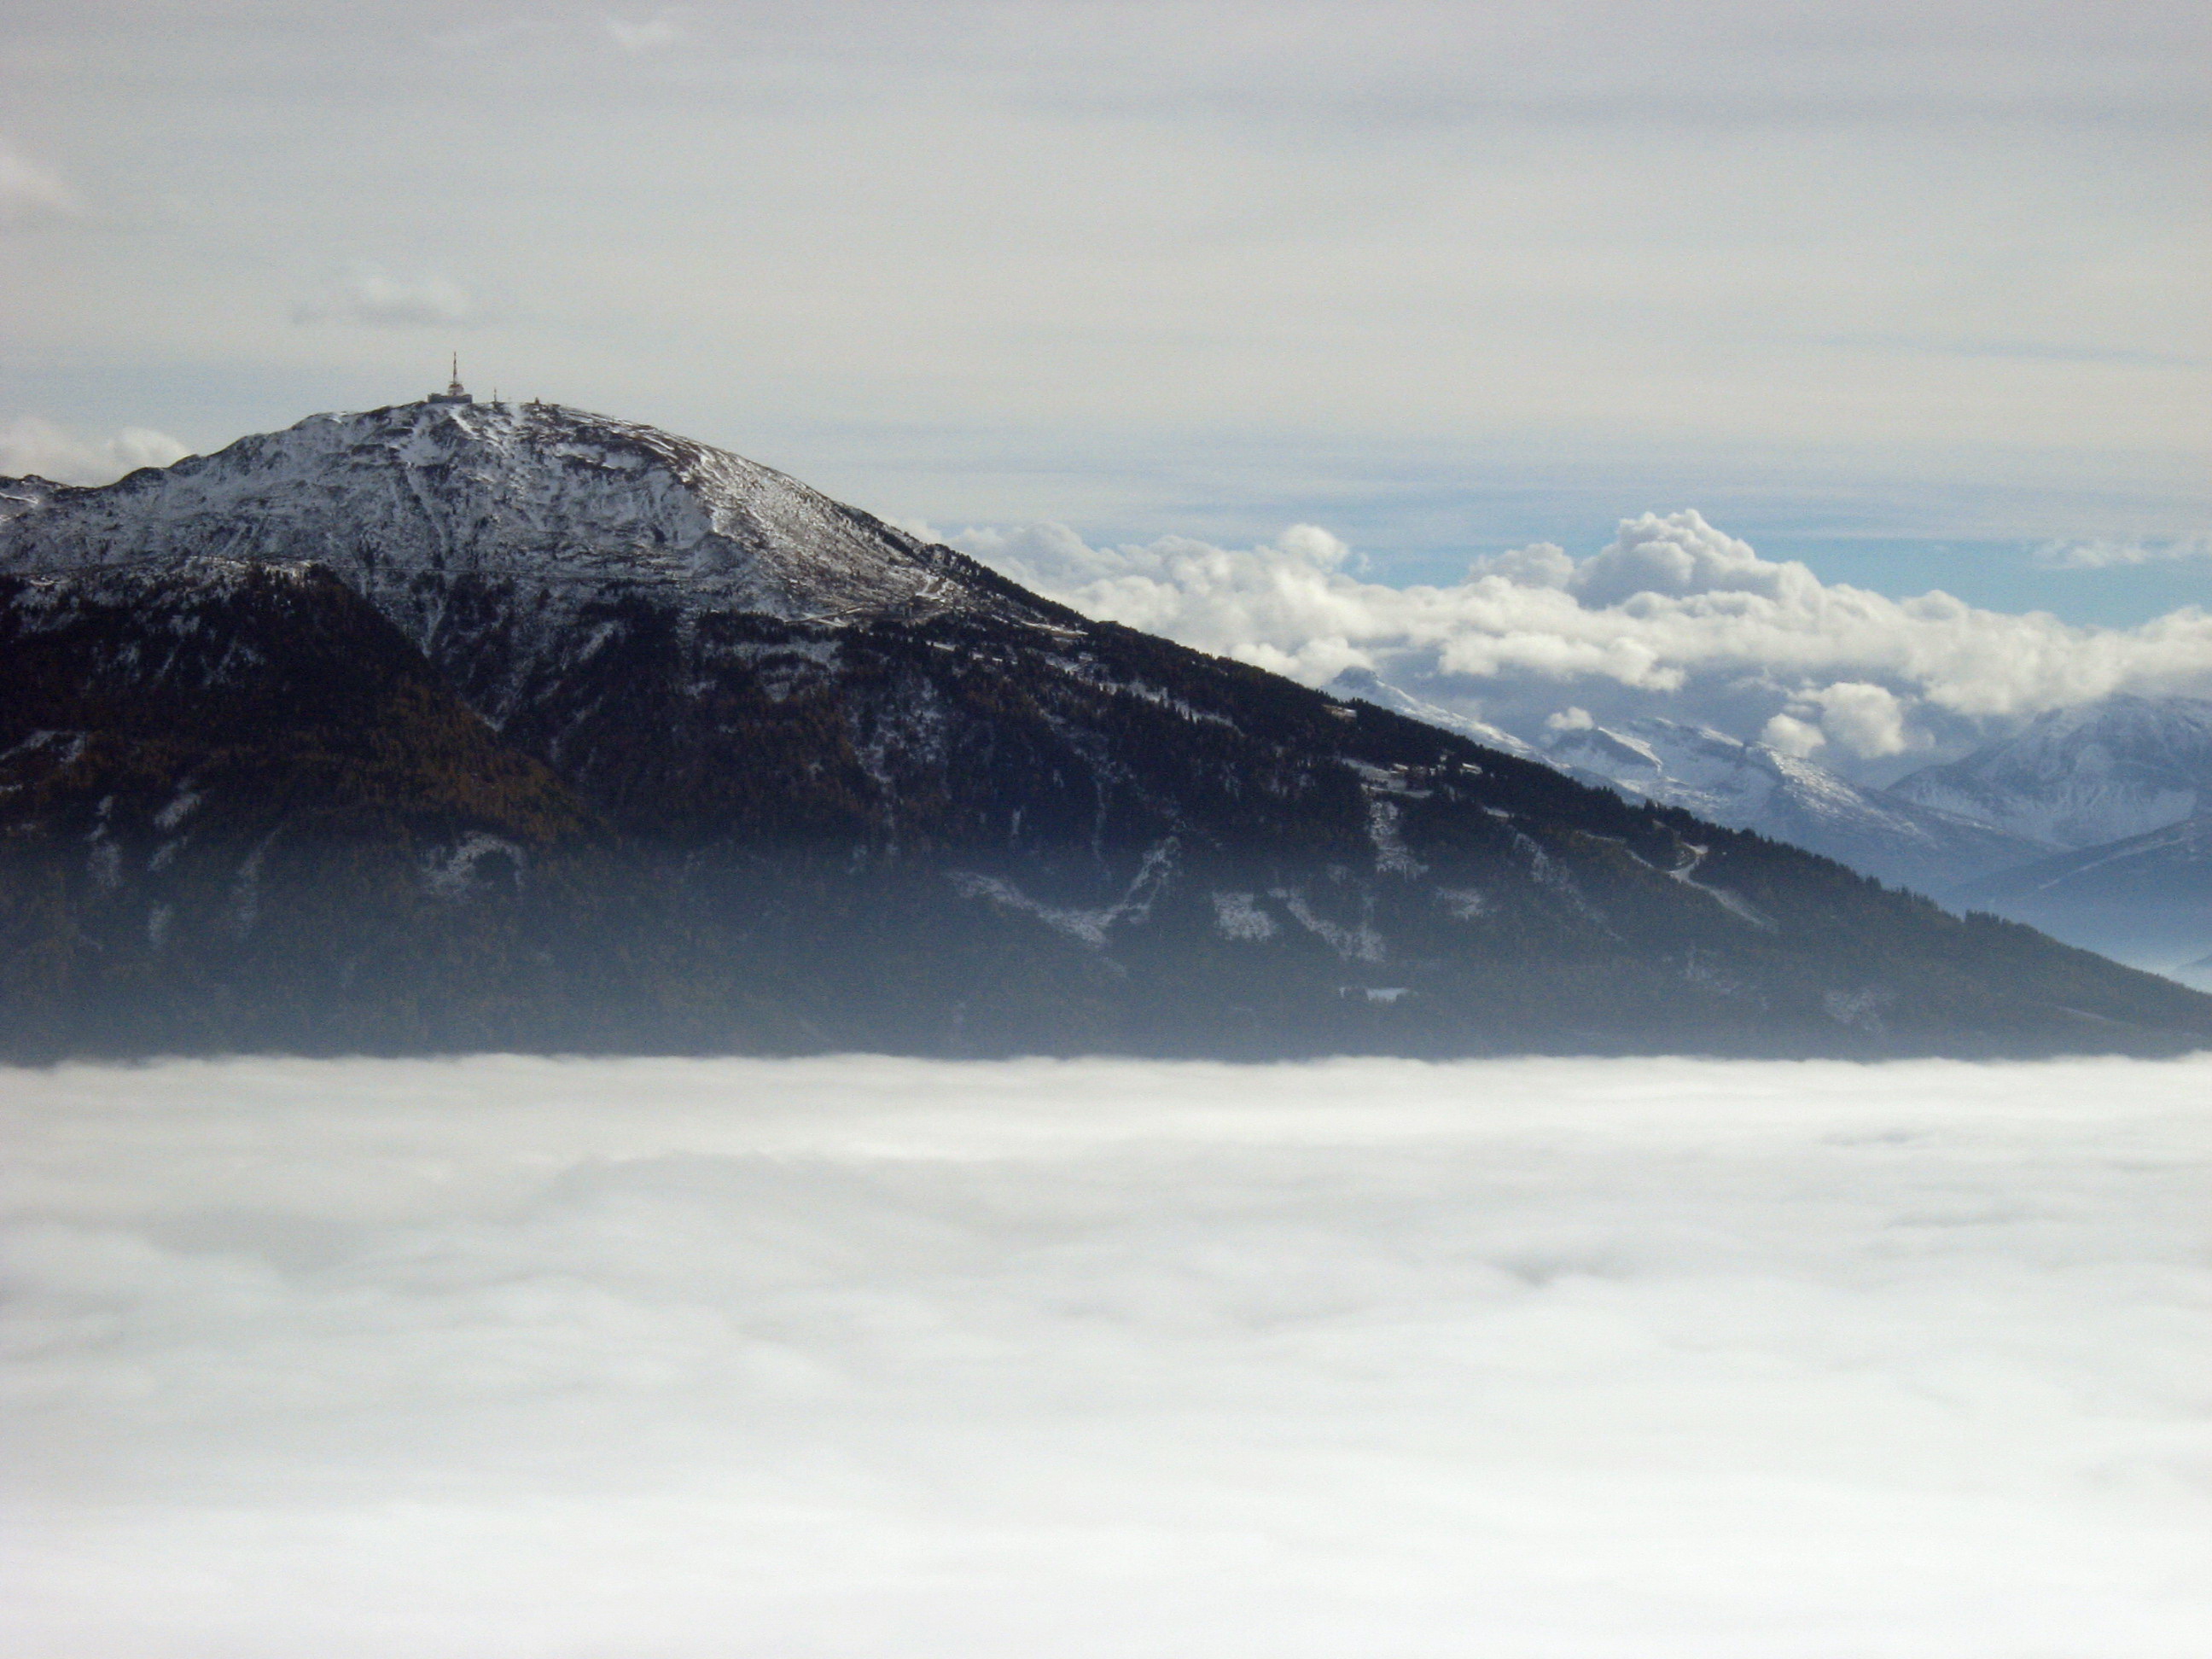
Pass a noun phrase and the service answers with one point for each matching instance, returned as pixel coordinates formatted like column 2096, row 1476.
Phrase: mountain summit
column 553, row 506
column 456, row 725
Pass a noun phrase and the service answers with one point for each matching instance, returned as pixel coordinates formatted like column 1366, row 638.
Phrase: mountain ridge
column 801, row 782
column 2083, row 777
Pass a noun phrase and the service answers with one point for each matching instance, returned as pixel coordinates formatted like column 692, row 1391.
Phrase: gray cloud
column 29, row 445
column 649, row 34
column 1065, row 236
column 865, row 1356
column 30, row 195
column 363, row 293
column 1672, row 609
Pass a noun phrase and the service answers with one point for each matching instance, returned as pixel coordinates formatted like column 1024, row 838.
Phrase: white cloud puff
column 367, row 294
column 469, row 1360
column 29, row 195
column 1869, row 721
column 1672, row 608
column 1793, row 736
column 29, row 445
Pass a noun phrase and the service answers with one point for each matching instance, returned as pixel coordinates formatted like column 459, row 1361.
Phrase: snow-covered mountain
column 2080, row 777
column 1368, row 686
column 1745, row 785
column 1751, row 786
column 453, row 725
column 578, row 578
column 442, row 511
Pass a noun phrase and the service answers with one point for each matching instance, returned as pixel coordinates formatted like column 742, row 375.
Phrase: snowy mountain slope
column 1368, row 686
column 433, row 509
column 661, row 750
column 2145, row 899
column 2080, row 777
column 577, row 577
column 1749, row 786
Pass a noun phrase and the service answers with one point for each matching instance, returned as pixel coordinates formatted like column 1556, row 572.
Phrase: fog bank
column 537, row 1359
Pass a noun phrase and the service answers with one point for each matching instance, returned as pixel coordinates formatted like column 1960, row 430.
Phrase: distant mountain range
column 1752, row 786
column 2089, row 823
column 461, row 726
column 2082, row 777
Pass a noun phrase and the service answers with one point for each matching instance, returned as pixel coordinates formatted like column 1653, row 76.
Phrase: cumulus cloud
column 1673, row 609
column 865, row 1356
column 30, row 446
column 29, row 195
column 367, row 294
column 1793, row 736
column 1678, row 555
column 1541, row 564
column 1869, row 721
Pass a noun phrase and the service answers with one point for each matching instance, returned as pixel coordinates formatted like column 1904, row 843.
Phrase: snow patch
column 1862, row 1009
column 1392, row 857
column 1360, row 944
column 245, row 888
column 1238, row 916
column 180, row 808
column 1086, row 927
column 1463, row 903
column 456, row 873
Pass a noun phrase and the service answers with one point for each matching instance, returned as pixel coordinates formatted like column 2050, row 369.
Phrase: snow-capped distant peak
column 1752, row 786
column 2081, row 776
column 1367, row 686
column 1709, row 772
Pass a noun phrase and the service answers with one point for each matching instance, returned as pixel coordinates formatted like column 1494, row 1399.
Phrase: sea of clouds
column 517, row 1359
column 1673, row 618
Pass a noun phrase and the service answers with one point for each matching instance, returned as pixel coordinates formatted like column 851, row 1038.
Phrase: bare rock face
column 456, row 726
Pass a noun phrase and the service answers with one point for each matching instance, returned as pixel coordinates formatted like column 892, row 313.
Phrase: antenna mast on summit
column 454, row 393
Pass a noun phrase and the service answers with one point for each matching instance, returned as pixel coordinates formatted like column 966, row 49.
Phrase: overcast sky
column 1912, row 291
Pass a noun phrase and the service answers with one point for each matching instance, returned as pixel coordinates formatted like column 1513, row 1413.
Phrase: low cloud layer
column 1673, row 616
column 30, row 446
column 872, row 1356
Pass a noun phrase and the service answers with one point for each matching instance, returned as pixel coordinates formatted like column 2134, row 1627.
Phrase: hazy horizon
column 1912, row 293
